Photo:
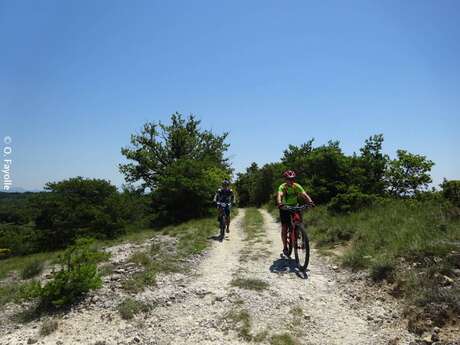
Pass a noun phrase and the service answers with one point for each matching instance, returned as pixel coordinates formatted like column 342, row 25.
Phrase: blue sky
column 78, row 77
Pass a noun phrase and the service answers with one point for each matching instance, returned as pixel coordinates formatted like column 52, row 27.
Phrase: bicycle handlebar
column 223, row 204
column 294, row 208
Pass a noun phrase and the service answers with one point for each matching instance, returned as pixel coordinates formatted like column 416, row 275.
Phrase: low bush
column 32, row 269
column 77, row 276
column 130, row 307
column 382, row 269
column 451, row 191
column 351, row 201
column 4, row 253
column 48, row 327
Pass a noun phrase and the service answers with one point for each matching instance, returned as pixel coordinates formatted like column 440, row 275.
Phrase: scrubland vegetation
column 378, row 211
column 378, row 208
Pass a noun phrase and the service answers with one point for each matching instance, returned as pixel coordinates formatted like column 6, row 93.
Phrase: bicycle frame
column 296, row 218
column 295, row 213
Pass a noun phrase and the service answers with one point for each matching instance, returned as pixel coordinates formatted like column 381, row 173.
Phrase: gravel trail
column 205, row 306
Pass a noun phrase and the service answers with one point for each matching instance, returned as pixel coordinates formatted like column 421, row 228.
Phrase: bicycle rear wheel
column 302, row 248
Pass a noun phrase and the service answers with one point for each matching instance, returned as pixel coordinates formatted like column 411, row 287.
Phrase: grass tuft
column 241, row 321
column 32, row 269
column 48, row 327
column 283, row 339
column 250, row 284
column 130, row 307
column 253, row 224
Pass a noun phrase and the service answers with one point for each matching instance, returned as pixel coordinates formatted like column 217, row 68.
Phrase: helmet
column 289, row 174
column 225, row 182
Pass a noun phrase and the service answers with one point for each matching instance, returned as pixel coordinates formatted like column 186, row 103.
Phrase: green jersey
column 290, row 193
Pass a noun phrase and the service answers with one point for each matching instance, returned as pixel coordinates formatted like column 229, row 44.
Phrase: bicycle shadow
column 287, row 265
column 218, row 238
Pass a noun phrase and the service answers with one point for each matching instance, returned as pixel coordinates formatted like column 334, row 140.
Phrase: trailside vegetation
column 376, row 214
column 180, row 164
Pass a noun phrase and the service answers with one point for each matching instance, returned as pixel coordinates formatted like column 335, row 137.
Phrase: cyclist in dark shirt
column 225, row 195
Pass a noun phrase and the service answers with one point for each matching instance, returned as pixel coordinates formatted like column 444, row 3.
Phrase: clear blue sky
column 78, row 77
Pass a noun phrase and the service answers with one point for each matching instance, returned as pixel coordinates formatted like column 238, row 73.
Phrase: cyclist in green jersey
column 288, row 194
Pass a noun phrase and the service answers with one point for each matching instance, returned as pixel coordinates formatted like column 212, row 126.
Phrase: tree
column 246, row 184
column 185, row 191
column 451, row 191
column 180, row 163
column 372, row 163
column 159, row 146
column 78, row 207
column 408, row 174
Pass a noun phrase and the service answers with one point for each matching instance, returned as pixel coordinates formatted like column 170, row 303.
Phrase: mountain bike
column 224, row 208
column 297, row 237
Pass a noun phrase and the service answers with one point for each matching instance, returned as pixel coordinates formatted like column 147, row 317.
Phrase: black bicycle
column 224, row 208
column 297, row 237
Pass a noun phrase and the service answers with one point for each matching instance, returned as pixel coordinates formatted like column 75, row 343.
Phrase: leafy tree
column 180, row 163
column 327, row 172
column 451, row 191
column 372, row 163
column 245, row 185
column 324, row 170
column 186, row 189
column 159, row 146
column 408, row 174
column 78, row 207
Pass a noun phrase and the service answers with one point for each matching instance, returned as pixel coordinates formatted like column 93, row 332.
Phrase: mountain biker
column 288, row 194
column 225, row 195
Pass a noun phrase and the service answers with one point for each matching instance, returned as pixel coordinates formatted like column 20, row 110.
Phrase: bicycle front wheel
column 301, row 248
column 289, row 240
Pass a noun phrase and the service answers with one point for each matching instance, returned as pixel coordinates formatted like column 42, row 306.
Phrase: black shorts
column 285, row 217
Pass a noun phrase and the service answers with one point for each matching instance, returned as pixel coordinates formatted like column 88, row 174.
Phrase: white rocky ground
column 328, row 307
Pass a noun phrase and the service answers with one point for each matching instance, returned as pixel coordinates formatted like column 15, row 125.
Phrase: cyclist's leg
column 219, row 213
column 285, row 219
column 284, row 235
column 227, row 214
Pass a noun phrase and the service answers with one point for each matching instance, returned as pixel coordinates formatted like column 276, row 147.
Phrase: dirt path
column 205, row 307
column 315, row 310
column 328, row 315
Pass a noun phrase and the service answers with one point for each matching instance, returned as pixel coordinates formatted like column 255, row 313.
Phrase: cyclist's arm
column 215, row 197
column 307, row 198
column 279, row 197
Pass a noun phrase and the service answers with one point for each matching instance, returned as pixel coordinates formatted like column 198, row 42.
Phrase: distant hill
column 22, row 190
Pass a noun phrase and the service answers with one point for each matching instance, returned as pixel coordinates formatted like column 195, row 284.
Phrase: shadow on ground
column 218, row 238
column 287, row 265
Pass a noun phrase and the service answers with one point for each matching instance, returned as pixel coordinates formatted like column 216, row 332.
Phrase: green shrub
column 4, row 253
column 77, row 276
column 32, row 269
column 382, row 268
column 48, row 327
column 78, row 207
column 15, row 292
column 283, row 339
column 19, row 239
column 451, row 191
column 186, row 189
column 351, row 201
column 130, row 307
